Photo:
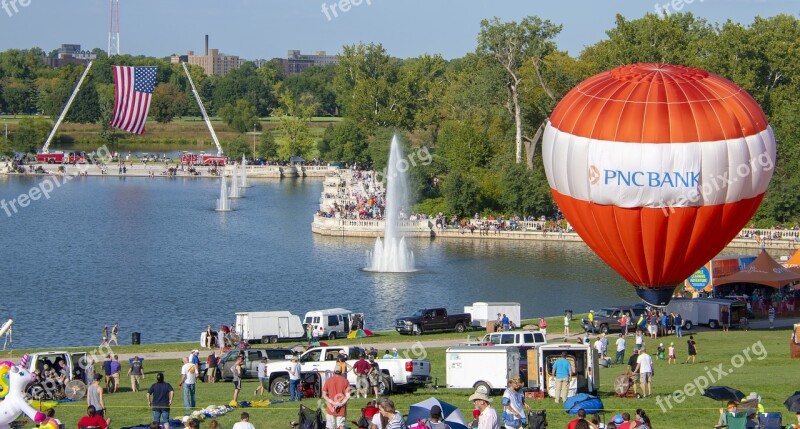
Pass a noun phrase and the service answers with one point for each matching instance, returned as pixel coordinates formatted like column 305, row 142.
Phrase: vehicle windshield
column 419, row 313
column 604, row 312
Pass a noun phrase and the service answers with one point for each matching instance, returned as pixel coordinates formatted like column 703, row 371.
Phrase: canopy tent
column 794, row 262
column 764, row 271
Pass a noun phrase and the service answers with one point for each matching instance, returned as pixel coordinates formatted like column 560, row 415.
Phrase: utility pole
column 254, row 141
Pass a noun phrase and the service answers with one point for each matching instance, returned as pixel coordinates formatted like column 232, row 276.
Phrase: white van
column 335, row 322
column 485, row 369
column 584, row 360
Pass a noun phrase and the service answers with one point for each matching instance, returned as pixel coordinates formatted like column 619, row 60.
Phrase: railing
column 772, row 234
column 374, row 224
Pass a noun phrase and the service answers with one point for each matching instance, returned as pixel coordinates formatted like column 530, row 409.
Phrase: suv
column 519, row 338
column 252, row 357
column 607, row 319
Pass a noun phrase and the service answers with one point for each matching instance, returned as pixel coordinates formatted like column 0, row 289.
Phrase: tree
column 244, row 83
column 31, row 134
column 240, row 117
column 236, row 147
column 423, row 83
column 318, row 82
column 346, row 142
column 168, row 102
column 85, row 108
column 297, row 138
column 463, row 146
column 18, row 96
column 511, row 44
column 462, row 194
column 267, row 148
column 525, row 191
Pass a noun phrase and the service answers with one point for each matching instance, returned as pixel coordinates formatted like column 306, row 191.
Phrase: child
column 671, row 354
column 661, row 350
column 639, row 340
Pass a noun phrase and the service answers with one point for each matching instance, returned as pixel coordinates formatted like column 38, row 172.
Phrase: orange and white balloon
column 658, row 167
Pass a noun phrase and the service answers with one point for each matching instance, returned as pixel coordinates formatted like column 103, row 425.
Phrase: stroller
column 310, row 385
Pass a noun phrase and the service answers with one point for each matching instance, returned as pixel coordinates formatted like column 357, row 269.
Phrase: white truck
column 483, row 312
column 584, row 360
column 268, row 326
column 399, row 374
column 706, row 311
column 485, row 369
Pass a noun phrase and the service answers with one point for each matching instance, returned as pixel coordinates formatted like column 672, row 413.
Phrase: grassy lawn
column 765, row 367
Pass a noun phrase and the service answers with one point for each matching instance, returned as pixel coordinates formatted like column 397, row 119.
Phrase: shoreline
column 161, row 171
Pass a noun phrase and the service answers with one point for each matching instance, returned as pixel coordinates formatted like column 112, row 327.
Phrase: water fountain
column 235, row 192
column 391, row 254
column 243, row 174
column 223, row 203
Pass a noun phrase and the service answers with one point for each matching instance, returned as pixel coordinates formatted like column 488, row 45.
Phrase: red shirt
column 362, row 367
column 626, row 425
column 573, row 423
column 95, row 421
column 369, row 412
column 336, row 389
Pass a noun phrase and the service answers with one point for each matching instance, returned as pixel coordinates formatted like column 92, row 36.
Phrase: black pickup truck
column 432, row 319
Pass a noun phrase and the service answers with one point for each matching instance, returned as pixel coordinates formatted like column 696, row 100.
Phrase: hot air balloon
column 658, row 167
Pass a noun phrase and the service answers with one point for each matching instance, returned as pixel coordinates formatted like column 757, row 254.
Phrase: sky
column 256, row 29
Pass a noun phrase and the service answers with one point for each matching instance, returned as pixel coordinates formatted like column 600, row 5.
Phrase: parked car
column 520, row 338
column 607, row 319
column 399, row 374
column 252, row 357
column 432, row 319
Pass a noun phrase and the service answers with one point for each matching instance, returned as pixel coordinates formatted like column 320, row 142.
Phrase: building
column 213, row 62
column 298, row 63
column 70, row 54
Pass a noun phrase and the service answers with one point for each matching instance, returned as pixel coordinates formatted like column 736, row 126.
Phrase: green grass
column 773, row 377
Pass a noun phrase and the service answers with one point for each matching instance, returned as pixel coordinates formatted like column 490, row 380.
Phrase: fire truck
column 61, row 157
column 202, row 159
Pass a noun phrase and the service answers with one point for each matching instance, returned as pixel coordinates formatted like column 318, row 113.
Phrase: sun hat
column 480, row 396
column 617, row 420
column 753, row 396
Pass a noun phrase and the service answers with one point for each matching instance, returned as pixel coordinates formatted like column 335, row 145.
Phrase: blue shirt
column 562, row 368
column 505, row 320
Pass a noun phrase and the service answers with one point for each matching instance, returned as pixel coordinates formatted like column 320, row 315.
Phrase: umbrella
column 590, row 404
column 451, row 414
column 358, row 333
column 723, row 393
column 792, row 403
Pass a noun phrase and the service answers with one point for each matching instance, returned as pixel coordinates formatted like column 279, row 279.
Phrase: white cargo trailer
column 484, row 311
column 706, row 311
column 268, row 326
column 486, row 369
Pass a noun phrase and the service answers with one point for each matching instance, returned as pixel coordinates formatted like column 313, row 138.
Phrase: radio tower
column 113, row 30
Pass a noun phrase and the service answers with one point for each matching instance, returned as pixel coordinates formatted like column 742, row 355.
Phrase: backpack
column 308, row 419
column 537, row 419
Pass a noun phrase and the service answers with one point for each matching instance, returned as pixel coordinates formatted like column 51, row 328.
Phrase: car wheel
column 385, row 386
column 687, row 325
column 604, row 328
column 713, row 324
column 332, row 336
column 273, row 339
column 483, row 387
column 460, row 327
column 280, row 386
column 418, row 330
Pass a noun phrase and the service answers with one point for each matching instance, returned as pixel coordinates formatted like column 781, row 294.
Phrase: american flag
column 134, row 88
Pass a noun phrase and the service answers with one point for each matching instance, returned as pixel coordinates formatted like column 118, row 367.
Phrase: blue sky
column 268, row 28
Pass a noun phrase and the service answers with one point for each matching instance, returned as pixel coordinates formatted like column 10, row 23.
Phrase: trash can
column 136, row 338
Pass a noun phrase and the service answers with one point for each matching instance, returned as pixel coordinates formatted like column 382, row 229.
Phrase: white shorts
column 334, row 422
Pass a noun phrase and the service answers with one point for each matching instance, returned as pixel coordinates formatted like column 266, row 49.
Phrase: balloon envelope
column 658, row 167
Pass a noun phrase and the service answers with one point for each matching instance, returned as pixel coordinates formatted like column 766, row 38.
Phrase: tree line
column 482, row 115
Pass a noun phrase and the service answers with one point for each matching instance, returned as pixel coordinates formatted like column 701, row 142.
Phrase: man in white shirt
column 244, row 422
column 644, row 366
column 620, row 358
column 188, row 380
column 488, row 418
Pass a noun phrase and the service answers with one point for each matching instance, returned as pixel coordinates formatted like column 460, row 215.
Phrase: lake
column 152, row 255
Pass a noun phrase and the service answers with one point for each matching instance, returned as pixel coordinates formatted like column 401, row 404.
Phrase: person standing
column 514, row 407
column 188, row 380
column 671, row 354
column 771, row 316
column 644, row 366
column 335, row 393
column 498, row 323
column 374, row 375
column 114, row 332
column 211, row 374
column 488, row 416
column 692, row 349
column 94, row 396
column 562, row 371
column 105, row 335
column 543, row 326
column 237, row 378
column 590, row 319
column 566, row 325
column 506, row 323
column 294, row 379
column 362, row 368
column 309, row 333
column 159, row 398
column 623, row 323
column 261, row 370
column 678, row 325
column 107, row 371
column 135, row 372
column 244, row 422
column 620, row 357
column 725, row 319
column 639, row 340
column 194, row 358
column 116, row 367
column 631, row 370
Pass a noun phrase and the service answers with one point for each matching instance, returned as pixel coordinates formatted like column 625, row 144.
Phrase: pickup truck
column 252, row 357
column 399, row 374
column 607, row 319
column 432, row 319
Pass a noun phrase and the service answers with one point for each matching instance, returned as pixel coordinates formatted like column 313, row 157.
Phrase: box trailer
column 268, row 326
column 483, row 312
column 706, row 311
column 486, row 369
column 584, row 360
